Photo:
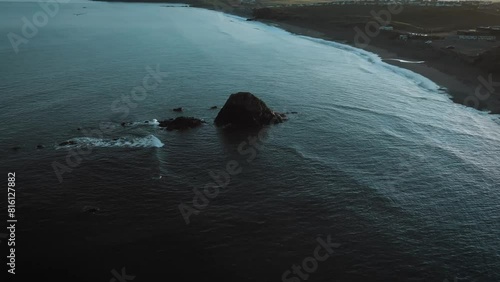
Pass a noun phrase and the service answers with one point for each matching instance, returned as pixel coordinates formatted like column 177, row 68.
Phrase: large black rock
column 244, row 110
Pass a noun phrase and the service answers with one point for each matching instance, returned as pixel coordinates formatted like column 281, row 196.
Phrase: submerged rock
column 91, row 209
column 244, row 110
column 40, row 146
column 181, row 123
column 177, row 109
column 213, row 107
column 66, row 143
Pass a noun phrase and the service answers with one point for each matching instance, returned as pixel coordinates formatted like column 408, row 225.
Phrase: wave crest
column 149, row 141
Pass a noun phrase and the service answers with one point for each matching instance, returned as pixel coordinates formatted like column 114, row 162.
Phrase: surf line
column 404, row 61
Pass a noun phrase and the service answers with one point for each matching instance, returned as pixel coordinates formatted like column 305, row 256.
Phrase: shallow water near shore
column 378, row 158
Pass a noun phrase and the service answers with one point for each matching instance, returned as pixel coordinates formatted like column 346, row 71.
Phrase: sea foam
column 149, row 141
column 153, row 122
column 421, row 81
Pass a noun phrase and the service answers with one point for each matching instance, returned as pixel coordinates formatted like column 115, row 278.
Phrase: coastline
column 459, row 83
column 444, row 67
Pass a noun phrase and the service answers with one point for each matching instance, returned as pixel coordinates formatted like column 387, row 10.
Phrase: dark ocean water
column 377, row 158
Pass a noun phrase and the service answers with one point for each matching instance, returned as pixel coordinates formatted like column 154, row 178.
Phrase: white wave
column 405, row 61
column 149, row 141
column 153, row 122
column 421, row 81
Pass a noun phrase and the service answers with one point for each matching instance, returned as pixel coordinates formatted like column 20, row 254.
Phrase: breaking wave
column 405, row 61
column 419, row 80
column 153, row 122
column 149, row 141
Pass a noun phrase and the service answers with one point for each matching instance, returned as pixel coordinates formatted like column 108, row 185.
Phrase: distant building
column 448, row 3
column 479, row 34
column 477, row 37
column 492, row 30
column 420, row 36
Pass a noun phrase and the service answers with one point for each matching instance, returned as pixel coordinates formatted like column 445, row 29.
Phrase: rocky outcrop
column 244, row 110
column 181, row 123
column 91, row 209
column 68, row 143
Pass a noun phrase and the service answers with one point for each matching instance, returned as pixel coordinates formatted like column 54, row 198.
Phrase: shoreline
column 442, row 67
column 458, row 88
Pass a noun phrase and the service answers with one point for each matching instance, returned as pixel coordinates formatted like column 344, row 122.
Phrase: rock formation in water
column 181, row 123
column 91, row 209
column 244, row 110
column 69, row 142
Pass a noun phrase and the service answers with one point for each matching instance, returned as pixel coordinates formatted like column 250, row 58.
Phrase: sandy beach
column 459, row 80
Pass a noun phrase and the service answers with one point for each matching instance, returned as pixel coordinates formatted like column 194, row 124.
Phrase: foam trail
column 419, row 80
column 149, row 141
column 405, row 61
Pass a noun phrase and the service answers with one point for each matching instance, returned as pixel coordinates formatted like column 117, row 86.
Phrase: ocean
column 377, row 160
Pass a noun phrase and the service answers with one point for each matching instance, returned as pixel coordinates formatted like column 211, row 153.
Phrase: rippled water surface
column 377, row 157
